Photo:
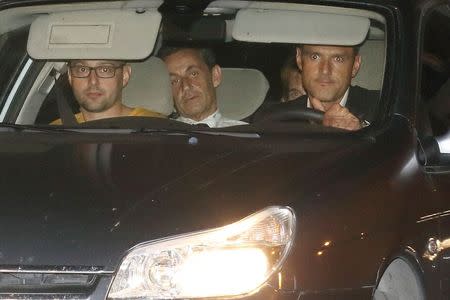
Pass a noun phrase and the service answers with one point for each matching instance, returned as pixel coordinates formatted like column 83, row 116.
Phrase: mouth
column 94, row 95
column 190, row 98
column 325, row 82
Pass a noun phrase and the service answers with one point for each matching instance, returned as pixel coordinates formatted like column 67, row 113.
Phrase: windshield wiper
column 253, row 135
column 7, row 127
column 188, row 130
column 162, row 131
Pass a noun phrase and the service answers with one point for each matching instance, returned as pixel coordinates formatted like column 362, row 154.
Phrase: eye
column 194, row 73
column 314, row 56
column 105, row 69
column 339, row 59
column 81, row 69
column 174, row 81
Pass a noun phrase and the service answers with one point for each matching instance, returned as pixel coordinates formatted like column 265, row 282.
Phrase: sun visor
column 94, row 34
column 290, row 26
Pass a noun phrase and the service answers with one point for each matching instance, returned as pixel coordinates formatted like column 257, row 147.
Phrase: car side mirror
column 434, row 150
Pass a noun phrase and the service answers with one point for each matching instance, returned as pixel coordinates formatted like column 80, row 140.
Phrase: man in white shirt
column 327, row 74
column 194, row 76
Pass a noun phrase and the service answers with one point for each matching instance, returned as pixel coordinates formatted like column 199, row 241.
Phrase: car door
column 435, row 132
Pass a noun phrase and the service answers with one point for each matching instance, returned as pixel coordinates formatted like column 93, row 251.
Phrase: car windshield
column 274, row 66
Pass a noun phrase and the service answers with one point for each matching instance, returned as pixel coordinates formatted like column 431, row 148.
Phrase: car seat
column 241, row 92
column 370, row 75
column 149, row 87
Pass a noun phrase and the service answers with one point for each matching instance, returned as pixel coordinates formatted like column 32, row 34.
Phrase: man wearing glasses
column 97, row 86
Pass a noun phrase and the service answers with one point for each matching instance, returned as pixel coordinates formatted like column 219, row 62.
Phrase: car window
column 266, row 57
column 435, row 73
column 12, row 55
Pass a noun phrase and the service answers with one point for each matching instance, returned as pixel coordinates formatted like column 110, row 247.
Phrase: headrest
column 149, row 87
column 241, row 92
column 370, row 74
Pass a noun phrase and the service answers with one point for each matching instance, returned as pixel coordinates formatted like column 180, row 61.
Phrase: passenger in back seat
column 97, row 86
column 194, row 76
column 291, row 80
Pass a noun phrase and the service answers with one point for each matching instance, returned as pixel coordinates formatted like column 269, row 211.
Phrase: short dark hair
column 122, row 62
column 206, row 54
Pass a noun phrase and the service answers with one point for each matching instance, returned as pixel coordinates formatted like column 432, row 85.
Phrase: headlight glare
column 214, row 272
column 232, row 260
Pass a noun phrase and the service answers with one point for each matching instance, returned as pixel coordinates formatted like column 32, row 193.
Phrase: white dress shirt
column 214, row 120
column 342, row 103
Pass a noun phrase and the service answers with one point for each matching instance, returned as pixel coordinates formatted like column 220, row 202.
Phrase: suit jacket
column 361, row 102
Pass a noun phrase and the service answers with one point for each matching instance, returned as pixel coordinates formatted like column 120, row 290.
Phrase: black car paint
column 86, row 203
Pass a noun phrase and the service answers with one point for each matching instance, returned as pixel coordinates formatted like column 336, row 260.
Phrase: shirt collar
column 342, row 103
column 212, row 120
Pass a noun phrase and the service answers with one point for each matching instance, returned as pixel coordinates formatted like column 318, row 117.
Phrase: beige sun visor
column 290, row 26
column 94, row 34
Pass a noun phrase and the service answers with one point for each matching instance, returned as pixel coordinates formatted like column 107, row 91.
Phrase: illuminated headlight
column 236, row 259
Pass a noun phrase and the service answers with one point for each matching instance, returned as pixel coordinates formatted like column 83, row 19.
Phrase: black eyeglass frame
column 97, row 68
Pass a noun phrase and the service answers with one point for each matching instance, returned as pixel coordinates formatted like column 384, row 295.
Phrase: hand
column 338, row 116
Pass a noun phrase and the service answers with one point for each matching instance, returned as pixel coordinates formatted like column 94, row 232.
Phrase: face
column 295, row 85
column 95, row 94
column 327, row 70
column 193, row 84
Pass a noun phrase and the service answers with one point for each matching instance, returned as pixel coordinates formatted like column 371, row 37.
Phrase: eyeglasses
column 101, row 71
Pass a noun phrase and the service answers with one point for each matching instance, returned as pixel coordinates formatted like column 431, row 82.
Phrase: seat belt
column 65, row 112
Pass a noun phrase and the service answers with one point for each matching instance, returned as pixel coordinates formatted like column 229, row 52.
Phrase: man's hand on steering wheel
column 340, row 117
column 337, row 116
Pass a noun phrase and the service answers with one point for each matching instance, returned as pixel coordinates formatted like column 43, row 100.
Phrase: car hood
column 84, row 201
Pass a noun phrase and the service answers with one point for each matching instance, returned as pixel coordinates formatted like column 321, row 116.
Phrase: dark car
column 281, row 208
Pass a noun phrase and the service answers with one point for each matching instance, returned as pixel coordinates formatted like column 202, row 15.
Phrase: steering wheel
column 285, row 112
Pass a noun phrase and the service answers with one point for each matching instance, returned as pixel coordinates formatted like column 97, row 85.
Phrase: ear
column 216, row 73
column 69, row 77
column 298, row 58
column 356, row 65
column 126, row 74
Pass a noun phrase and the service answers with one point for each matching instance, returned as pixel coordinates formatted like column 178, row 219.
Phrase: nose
column 93, row 79
column 325, row 66
column 185, row 83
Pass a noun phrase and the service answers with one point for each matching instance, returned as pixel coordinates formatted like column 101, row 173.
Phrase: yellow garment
column 135, row 112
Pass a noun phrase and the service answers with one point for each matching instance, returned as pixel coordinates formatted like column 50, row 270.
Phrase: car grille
column 49, row 282
column 37, row 280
